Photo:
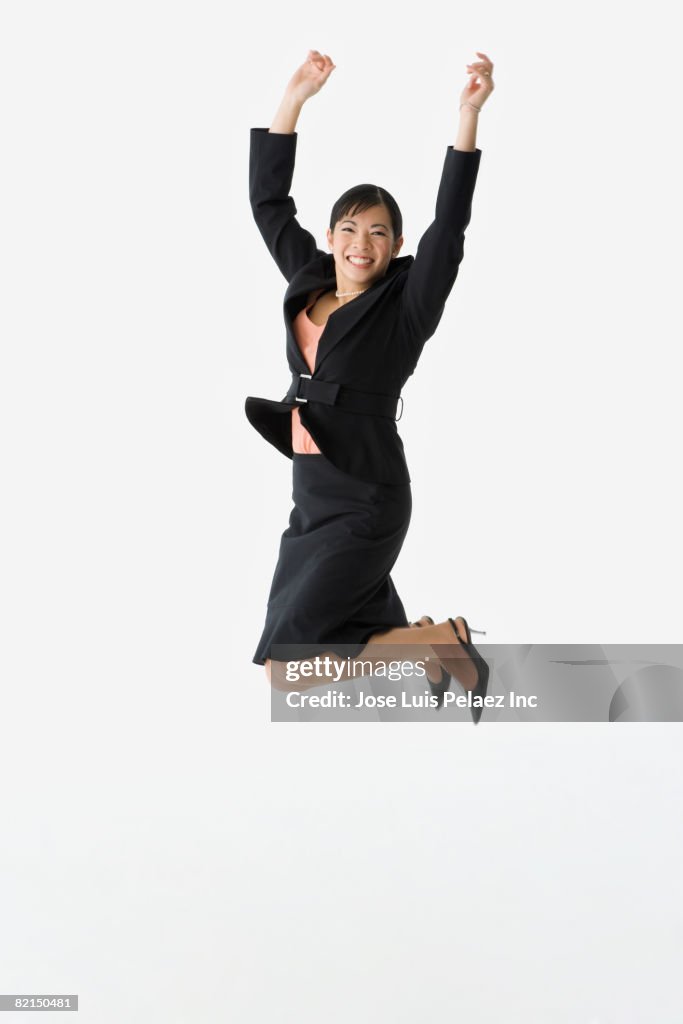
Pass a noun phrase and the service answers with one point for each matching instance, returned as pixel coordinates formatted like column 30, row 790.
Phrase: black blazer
column 370, row 345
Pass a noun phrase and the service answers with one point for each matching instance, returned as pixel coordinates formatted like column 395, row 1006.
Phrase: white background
column 167, row 852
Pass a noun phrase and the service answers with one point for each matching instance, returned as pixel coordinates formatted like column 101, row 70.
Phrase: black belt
column 304, row 389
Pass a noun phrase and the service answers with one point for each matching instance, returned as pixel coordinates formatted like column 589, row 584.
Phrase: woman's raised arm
column 478, row 89
column 441, row 248
column 271, row 169
column 304, row 83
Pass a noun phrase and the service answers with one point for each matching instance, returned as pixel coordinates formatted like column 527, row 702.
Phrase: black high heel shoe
column 479, row 663
column 481, row 668
column 439, row 690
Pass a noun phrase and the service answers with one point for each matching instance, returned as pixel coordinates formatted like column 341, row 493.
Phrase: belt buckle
column 296, row 397
column 397, row 418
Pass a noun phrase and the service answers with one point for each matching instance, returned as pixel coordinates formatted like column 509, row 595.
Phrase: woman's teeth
column 359, row 261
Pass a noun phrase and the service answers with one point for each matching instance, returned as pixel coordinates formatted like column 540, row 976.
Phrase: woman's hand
column 480, row 85
column 310, row 77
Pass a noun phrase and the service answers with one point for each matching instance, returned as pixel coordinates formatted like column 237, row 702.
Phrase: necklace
column 343, row 295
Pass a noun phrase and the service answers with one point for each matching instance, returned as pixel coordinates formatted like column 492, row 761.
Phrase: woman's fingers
column 323, row 65
column 313, row 74
column 480, row 80
column 481, row 70
column 481, row 65
column 322, row 60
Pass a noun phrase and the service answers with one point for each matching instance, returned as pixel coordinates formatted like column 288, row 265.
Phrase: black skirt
column 331, row 584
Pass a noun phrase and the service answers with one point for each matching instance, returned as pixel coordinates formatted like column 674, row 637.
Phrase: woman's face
column 363, row 245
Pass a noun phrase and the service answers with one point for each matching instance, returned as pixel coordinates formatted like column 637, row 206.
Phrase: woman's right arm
column 271, row 168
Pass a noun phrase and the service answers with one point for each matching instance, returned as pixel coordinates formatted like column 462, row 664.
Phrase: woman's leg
column 433, row 671
column 408, row 648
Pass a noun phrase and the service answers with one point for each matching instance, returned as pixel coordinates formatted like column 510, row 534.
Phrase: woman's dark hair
column 362, row 197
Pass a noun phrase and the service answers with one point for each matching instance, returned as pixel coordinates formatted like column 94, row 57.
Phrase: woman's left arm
column 440, row 251
column 478, row 89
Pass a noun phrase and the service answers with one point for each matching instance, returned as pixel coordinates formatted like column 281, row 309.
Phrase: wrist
column 287, row 115
column 469, row 108
column 292, row 103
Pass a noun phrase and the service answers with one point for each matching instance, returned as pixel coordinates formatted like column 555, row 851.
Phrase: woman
column 357, row 318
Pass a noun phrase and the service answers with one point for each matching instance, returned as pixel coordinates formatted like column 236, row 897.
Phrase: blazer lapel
column 310, row 278
column 320, row 273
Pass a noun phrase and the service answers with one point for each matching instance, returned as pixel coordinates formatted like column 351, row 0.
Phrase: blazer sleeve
column 271, row 168
column 440, row 250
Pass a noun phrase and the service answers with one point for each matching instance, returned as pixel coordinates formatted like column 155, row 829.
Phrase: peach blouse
column 307, row 336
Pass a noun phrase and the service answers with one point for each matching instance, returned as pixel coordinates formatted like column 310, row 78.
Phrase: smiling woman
column 365, row 230
column 362, row 246
column 357, row 319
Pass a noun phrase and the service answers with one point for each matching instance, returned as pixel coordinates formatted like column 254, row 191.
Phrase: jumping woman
column 357, row 318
